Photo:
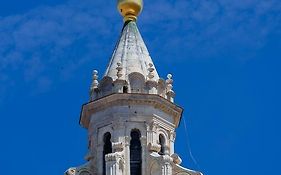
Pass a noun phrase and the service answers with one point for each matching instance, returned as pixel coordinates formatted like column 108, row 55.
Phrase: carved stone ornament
column 172, row 135
column 154, row 147
column 113, row 157
column 167, row 159
column 119, row 70
column 169, row 83
column 117, row 146
column 153, row 126
column 70, row 171
column 150, row 70
column 176, row 159
column 95, row 80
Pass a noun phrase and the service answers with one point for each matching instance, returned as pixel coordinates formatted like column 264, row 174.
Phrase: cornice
column 121, row 99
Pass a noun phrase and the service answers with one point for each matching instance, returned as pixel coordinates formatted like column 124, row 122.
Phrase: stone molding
column 129, row 99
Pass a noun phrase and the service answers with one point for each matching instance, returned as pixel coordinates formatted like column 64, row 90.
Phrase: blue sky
column 225, row 56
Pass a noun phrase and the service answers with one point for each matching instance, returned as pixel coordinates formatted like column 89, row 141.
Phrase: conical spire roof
column 131, row 69
column 132, row 53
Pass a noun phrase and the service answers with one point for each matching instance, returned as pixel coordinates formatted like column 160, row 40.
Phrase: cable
column 188, row 144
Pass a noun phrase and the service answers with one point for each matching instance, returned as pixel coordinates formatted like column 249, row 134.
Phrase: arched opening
column 125, row 89
column 137, row 82
column 162, row 144
column 135, row 153
column 107, row 148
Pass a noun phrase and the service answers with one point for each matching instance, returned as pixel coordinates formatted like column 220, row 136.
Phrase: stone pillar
column 143, row 140
column 113, row 164
column 166, row 166
column 172, row 142
column 97, row 149
column 149, row 134
column 127, row 155
column 153, row 146
column 153, row 127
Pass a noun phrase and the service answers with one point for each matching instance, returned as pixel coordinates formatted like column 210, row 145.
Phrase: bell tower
column 131, row 116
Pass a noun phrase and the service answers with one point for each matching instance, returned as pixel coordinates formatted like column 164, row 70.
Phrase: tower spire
column 131, row 116
column 130, row 9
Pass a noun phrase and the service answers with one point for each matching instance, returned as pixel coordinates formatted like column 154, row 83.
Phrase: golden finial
column 130, row 9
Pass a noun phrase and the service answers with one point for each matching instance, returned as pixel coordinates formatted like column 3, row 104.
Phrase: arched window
column 107, row 148
column 135, row 153
column 162, row 144
column 125, row 89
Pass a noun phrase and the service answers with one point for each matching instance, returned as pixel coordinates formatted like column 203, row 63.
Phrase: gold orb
column 130, row 9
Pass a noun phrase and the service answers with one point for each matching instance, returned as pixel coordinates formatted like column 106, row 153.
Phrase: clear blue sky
column 225, row 56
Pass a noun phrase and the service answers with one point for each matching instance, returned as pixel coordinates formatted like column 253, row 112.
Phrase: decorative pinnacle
column 150, row 70
column 130, row 9
column 95, row 82
column 169, row 76
column 169, row 82
column 119, row 70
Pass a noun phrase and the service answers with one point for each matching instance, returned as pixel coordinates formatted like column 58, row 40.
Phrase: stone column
column 112, row 164
column 152, row 138
column 153, row 128
column 143, row 140
column 149, row 134
column 172, row 142
column 166, row 166
column 127, row 155
column 167, row 169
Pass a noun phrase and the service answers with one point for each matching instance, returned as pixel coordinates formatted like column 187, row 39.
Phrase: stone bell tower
column 131, row 116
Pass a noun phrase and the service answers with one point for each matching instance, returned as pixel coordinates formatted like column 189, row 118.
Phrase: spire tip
column 130, row 9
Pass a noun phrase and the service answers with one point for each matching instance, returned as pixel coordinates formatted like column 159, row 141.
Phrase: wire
column 188, row 144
